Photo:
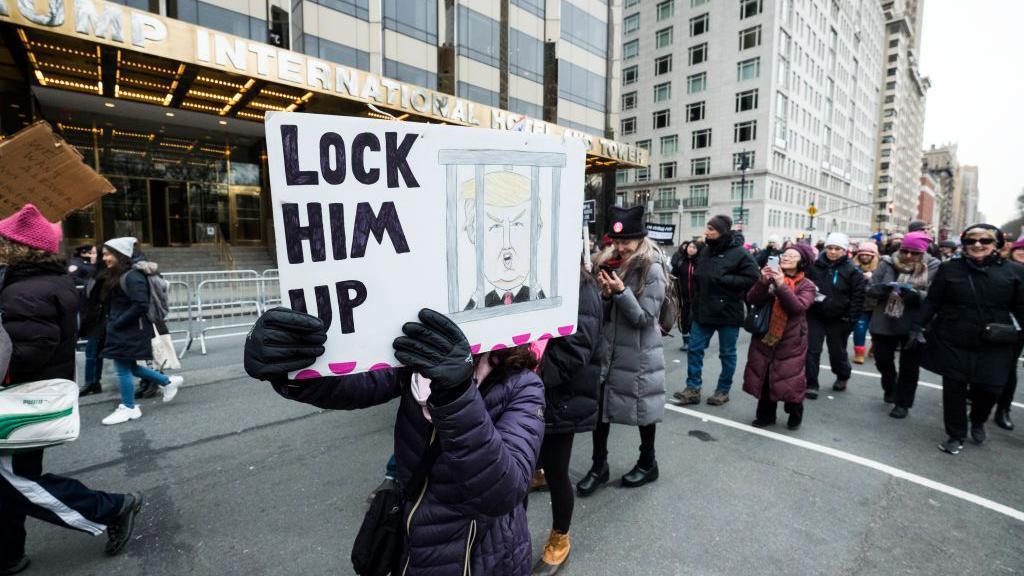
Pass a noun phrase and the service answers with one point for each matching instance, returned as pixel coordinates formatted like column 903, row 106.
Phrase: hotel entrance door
column 169, row 202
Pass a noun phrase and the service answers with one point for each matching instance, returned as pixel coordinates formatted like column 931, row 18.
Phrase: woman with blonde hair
column 632, row 279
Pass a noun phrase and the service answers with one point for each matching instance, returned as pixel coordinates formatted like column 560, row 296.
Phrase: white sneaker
column 122, row 415
column 171, row 390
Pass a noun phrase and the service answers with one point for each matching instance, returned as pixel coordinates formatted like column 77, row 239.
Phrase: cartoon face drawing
column 506, row 233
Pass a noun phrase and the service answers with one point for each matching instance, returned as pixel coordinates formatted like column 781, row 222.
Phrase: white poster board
column 377, row 219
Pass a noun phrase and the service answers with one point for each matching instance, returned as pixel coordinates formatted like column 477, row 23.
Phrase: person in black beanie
column 724, row 273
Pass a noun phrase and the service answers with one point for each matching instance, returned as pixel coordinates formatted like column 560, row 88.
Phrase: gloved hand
column 910, row 296
column 283, row 341
column 436, row 348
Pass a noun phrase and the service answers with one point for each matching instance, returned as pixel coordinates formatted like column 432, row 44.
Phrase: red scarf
column 779, row 319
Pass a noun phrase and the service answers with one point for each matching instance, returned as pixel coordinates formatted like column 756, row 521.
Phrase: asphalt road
column 240, row 481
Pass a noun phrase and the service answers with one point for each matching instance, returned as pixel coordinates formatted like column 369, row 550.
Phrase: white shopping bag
column 38, row 414
column 165, row 357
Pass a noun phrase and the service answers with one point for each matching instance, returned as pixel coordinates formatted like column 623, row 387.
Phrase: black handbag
column 759, row 317
column 377, row 550
column 998, row 333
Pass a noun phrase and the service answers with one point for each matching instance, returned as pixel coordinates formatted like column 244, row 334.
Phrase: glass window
column 644, row 144
column 701, row 139
column 699, row 167
column 743, row 161
column 477, row 94
column 745, row 131
column 698, row 54
column 523, row 107
column 669, row 144
column 410, row 74
column 663, row 92
column 526, row 55
column 746, row 100
column 414, row 19
column 697, row 219
column 749, row 8
column 746, row 187
column 628, row 125
column 630, row 3
column 630, row 49
column 582, row 86
column 358, row 8
column 748, row 69
column 643, row 174
column 341, row 54
column 696, row 83
column 697, row 3
column 224, row 20
column 666, row 9
column 629, row 100
column 535, row 7
column 662, row 119
column 479, row 37
column 750, row 38
column 631, row 23
column 695, row 112
column 585, row 30
column 622, row 177
column 698, row 25
column 629, row 74
column 663, row 38
column 663, row 65
column 667, row 170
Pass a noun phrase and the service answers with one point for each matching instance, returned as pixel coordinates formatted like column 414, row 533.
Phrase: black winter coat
column 842, row 283
column 40, row 313
column 724, row 273
column 571, row 369
column 763, row 255
column 129, row 332
column 955, row 348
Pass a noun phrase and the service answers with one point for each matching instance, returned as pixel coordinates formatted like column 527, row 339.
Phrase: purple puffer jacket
column 472, row 508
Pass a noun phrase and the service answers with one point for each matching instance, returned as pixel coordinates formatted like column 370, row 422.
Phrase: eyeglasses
column 906, row 252
column 982, row 241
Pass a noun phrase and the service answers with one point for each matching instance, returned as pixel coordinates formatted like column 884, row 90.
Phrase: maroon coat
column 784, row 362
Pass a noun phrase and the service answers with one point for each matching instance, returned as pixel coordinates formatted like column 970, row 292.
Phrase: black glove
column 910, row 296
column 436, row 348
column 283, row 341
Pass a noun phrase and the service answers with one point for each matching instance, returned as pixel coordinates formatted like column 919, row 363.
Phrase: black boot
column 120, row 532
column 94, row 388
column 639, row 476
column 598, row 475
column 796, row 416
column 1002, row 419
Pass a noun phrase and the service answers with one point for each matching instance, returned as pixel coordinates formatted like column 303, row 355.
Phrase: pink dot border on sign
column 348, row 366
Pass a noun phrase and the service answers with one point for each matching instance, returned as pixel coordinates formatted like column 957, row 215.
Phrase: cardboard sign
column 661, row 233
column 39, row 167
column 375, row 220
column 589, row 211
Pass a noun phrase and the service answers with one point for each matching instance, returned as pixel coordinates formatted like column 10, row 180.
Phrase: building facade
column 941, row 163
column 928, row 200
column 167, row 98
column 772, row 104
column 968, row 207
column 902, row 117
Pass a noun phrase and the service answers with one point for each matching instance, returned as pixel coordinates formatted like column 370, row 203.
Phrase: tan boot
column 539, row 481
column 556, row 553
column 858, row 354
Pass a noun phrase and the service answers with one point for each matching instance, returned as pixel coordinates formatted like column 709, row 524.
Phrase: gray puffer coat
column 634, row 366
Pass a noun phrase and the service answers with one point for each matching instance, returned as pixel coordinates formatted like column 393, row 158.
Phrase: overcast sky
column 972, row 50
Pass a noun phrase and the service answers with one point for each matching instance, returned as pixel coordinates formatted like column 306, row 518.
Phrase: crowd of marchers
column 474, row 433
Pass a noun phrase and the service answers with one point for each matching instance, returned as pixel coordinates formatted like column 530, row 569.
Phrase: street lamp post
column 743, row 165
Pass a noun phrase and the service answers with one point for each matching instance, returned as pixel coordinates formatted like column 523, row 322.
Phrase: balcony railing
column 699, row 202
column 666, row 204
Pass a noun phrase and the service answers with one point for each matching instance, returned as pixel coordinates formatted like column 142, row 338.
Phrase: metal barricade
column 180, row 304
column 271, row 288
column 227, row 304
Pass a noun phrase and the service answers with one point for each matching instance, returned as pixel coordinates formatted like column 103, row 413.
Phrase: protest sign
column 589, row 210
column 661, row 233
column 377, row 219
column 39, row 167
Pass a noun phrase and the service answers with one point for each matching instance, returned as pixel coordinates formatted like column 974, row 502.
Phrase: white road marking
column 859, row 460
column 919, row 383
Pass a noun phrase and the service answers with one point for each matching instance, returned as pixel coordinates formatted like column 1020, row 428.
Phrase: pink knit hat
column 916, row 241
column 29, row 227
column 867, row 247
column 1018, row 244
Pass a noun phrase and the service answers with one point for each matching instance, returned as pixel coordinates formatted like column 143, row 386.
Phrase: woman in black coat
column 683, row 263
column 970, row 299
column 129, row 333
column 571, row 371
column 40, row 314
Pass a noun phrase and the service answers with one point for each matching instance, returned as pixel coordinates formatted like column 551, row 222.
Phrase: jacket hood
column 146, row 267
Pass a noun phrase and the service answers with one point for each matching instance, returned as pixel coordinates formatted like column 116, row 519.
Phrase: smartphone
column 773, row 262
column 607, row 269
